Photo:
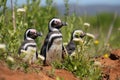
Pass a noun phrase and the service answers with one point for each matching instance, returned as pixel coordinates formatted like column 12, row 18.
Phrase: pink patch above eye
column 58, row 20
column 33, row 30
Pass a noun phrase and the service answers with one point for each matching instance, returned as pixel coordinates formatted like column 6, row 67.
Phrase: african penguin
column 71, row 46
column 29, row 46
column 53, row 45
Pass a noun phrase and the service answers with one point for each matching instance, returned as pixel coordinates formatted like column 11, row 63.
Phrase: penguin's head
column 31, row 34
column 56, row 24
column 77, row 34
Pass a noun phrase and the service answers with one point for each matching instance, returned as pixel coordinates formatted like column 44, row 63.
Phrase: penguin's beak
column 64, row 24
column 39, row 33
column 82, row 35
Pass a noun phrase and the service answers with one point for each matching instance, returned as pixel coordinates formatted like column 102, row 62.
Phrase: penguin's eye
column 33, row 32
column 55, row 22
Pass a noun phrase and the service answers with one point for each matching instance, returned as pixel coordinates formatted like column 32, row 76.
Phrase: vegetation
column 33, row 15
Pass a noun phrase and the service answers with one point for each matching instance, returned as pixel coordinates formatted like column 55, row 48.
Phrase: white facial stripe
column 53, row 29
column 28, row 45
column 27, row 33
column 31, row 30
column 54, row 35
column 50, row 27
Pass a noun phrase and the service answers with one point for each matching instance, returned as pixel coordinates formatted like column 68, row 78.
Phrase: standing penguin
column 53, row 46
column 71, row 46
column 29, row 46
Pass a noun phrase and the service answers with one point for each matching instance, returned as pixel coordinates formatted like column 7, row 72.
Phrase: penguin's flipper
column 44, row 47
column 47, row 44
column 21, row 48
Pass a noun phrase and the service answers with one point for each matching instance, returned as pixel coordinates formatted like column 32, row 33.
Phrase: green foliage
column 81, row 64
column 83, row 68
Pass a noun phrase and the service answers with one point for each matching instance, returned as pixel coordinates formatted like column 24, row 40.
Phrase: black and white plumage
column 71, row 46
column 53, row 45
column 29, row 46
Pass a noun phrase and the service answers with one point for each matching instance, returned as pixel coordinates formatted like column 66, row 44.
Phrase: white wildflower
column 3, row 46
column 86, row 24
column 75, row 67
column 90, row 35
column 97, row 63
column 9, row 58
column 73, row 54
column 41, row 57
column 119, row 29
column 21, row 10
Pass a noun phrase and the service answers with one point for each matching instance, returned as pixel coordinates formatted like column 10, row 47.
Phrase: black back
column 70, row 47
column 47, row 43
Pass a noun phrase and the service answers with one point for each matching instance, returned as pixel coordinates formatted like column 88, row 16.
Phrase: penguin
column 53, row 44
column 71, row 46
column 29, row 46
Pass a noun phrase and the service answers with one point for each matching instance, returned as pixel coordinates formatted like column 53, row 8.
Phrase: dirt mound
column 111, row 66
column 115, row 54
column 110, row 69
column 7, row 74
column 61, row 73
column 44, row 74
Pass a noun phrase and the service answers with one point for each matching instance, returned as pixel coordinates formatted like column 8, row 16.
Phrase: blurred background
column 81, row 7
column 18, row 15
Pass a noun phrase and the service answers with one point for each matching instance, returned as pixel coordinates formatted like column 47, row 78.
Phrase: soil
column 110, row 70
column 111, row 65
column 44, row 74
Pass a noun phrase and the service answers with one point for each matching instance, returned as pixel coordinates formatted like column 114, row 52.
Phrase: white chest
column 55, row 51
column 30, row 55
